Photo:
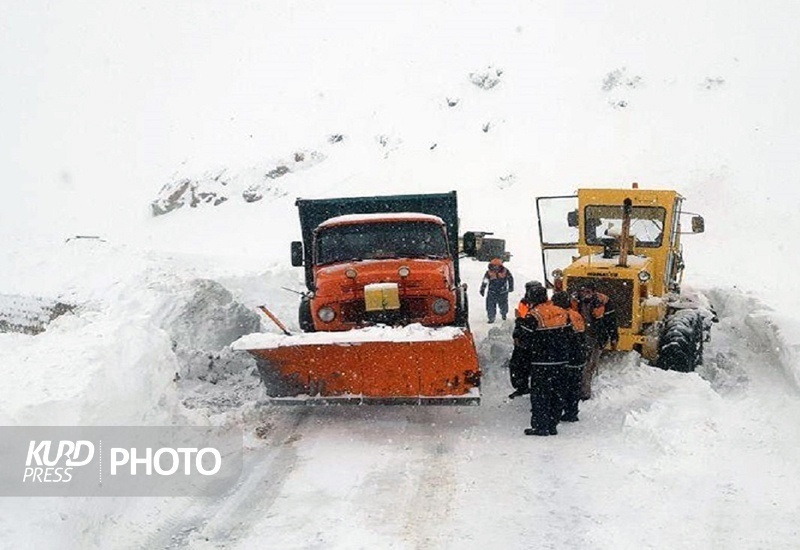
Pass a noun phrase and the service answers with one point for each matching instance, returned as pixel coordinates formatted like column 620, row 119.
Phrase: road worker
column 542, row 334
column 600, row 315
column 518, row 364
column 496, row 285
column 571, row 374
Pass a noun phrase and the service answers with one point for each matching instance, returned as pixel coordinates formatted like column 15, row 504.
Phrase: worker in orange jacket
column 600, row 315
column 572, row 373
column 542, row 335
column 518, row 364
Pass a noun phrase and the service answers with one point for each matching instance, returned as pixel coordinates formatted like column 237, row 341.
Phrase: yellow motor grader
column 628, row 242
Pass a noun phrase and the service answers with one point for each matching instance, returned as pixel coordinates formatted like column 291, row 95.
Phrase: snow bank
column 411, row 333
column 763, row 330
column 145, row 338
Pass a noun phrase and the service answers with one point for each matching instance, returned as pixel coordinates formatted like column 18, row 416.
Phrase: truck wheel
column 462, row 308
column 681, row 344
column 304, row 316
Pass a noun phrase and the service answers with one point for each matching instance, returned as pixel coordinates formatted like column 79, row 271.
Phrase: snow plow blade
column 363, row 367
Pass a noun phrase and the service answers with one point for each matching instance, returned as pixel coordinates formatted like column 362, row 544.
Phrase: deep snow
column 106, row 103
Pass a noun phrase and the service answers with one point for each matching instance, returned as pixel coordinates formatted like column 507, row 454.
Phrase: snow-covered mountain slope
column 112, row 108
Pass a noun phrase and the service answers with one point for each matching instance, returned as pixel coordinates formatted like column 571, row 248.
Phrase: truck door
column 558, row 232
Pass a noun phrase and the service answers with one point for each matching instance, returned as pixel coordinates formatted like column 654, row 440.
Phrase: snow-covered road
column 658, row 460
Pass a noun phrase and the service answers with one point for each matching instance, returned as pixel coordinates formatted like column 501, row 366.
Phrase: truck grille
column 411, row 310
column 619, row 291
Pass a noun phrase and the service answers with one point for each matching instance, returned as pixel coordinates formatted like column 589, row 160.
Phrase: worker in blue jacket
column 496, row 285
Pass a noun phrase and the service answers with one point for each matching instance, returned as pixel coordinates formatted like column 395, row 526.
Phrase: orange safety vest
column 597, row 312
column 522, row 309
column 578, row 324
column 549, row 316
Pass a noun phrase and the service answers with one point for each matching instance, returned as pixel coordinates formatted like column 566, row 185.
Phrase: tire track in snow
column 219, row 522
column 431, row 503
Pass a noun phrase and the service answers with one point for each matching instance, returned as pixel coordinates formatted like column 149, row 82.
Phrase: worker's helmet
column 534, row 291
column 561, row 299
column 536, row 294
column 589, row 285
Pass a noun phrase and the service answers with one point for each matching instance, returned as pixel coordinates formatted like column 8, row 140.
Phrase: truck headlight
column 326, row 314
column 557, row 274
column 351, row 273
column 441, row 306
column 404, row 271
column 644, row 276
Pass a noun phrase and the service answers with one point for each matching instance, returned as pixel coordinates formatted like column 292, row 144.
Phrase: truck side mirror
column 297, row 253
column 470, row 244
column 572, row 218
column 698, row 224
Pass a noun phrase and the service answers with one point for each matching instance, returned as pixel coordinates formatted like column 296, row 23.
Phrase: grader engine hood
column 626, row 286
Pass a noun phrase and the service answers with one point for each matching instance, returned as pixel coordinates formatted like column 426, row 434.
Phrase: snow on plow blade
column 381, row 365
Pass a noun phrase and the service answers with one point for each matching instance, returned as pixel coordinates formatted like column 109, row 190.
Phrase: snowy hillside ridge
column 29, row 314
column 250, row 185
column 411, row 333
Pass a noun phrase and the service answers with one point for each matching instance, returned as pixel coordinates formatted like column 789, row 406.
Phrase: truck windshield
column 380, row 240
column 647, row 224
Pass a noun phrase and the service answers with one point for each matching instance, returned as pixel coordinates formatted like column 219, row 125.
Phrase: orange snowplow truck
column 385, row 315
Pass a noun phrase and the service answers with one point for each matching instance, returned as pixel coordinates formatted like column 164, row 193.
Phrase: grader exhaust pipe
column 626, row 232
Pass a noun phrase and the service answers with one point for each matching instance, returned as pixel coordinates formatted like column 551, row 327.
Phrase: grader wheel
column 681, row 342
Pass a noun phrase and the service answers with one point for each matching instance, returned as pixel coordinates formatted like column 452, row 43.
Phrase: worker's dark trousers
column 570, row 389
column 545, row 401
column 495, row 301
column 589, row 372
column 519, row 370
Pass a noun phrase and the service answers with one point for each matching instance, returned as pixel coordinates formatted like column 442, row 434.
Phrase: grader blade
column 297, row 370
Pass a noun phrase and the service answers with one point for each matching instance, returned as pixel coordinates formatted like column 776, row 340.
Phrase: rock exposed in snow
column 206, row 190
column 301, row 160
column 619, row 78
column 487, row 78
column 29, row 314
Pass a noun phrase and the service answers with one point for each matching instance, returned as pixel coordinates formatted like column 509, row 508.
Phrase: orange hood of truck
column 332, row 280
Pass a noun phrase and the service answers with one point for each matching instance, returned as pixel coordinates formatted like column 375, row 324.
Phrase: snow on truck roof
column 382, row 217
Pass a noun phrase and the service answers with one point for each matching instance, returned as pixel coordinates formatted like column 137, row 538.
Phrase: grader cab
column 628, row 242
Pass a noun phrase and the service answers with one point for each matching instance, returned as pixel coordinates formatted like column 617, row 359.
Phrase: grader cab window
column 647, row 224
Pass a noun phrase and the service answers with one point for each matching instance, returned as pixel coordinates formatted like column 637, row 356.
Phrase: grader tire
column 681, row 342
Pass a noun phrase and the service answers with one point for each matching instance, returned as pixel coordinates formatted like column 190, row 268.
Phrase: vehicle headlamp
column 644, row 276
column 326, row 314
column 441, row 306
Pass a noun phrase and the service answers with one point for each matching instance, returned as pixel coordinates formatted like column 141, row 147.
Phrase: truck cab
column 376, row 263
